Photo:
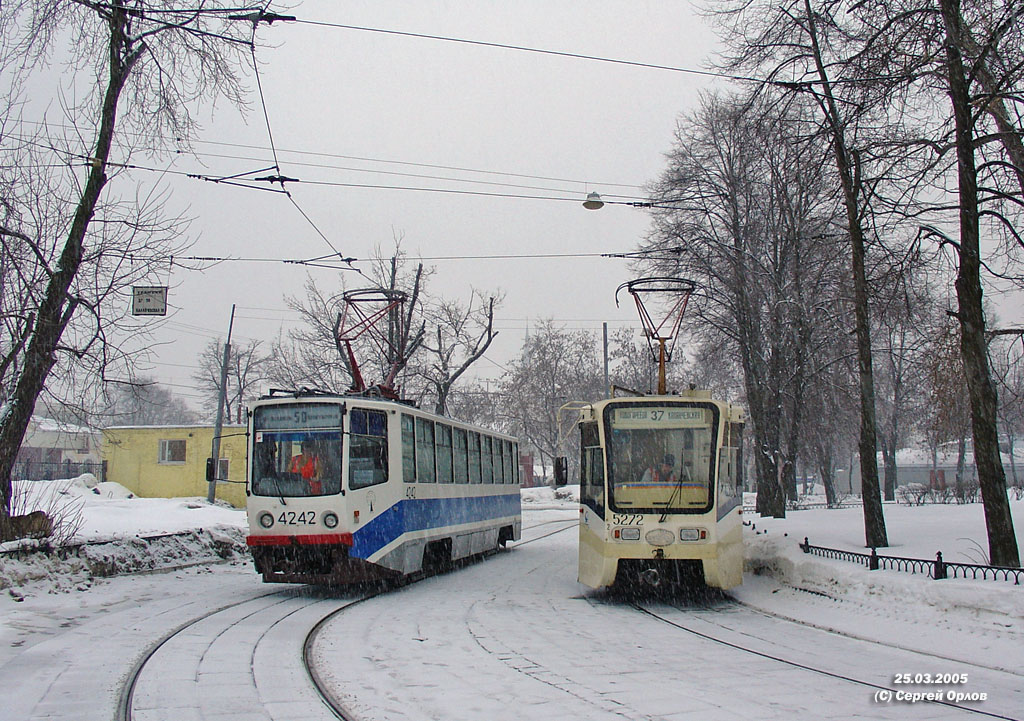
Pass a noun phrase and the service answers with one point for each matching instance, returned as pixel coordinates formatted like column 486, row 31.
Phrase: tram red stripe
column 325, row 538
column 318, row 539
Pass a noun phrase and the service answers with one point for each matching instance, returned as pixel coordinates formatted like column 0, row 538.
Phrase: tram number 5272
column 627, row 519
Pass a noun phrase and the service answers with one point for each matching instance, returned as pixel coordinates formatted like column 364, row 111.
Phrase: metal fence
column 53, row 470
column 937, row 569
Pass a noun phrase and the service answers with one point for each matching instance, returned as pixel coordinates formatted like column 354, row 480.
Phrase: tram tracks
column 180, row 658
column 867, row 639
column 183, row 670
column 571, row 523
column 876, row 688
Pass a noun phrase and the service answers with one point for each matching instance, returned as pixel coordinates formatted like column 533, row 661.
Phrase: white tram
column 661, row 491
column 348, row 488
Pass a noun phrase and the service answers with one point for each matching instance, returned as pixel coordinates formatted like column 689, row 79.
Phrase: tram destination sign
column 660, row 417
column 297, row 415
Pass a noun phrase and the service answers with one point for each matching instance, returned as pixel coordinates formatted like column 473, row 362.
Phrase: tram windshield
column 296, row 450
column 660, row 458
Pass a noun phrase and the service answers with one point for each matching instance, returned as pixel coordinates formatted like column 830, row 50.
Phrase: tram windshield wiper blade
column 677, row 490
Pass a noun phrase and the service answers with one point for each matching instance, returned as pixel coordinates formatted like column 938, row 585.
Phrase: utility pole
column 607, row 388
column 211, row 492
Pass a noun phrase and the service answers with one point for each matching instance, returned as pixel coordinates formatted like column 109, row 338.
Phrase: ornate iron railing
column 937, row 569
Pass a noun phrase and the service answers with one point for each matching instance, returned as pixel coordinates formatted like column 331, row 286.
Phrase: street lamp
column 593, row 202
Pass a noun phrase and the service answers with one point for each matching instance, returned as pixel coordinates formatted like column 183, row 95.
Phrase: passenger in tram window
column 663, row 473
column 307, row 464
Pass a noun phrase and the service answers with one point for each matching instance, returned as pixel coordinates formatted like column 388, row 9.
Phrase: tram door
column 367, row 463
column 593, row 528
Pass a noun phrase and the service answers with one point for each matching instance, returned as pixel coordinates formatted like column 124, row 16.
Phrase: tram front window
column 660, row 458
column 296, row 464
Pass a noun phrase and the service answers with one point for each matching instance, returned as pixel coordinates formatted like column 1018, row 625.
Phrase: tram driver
column 307, row 464
column 663, row 472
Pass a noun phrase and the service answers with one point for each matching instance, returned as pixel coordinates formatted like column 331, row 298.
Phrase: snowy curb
column 74, row 566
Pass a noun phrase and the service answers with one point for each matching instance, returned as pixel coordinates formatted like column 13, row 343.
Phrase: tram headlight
column 630, row 533
column 266, row 520
column 692, row 534
column 331, row 519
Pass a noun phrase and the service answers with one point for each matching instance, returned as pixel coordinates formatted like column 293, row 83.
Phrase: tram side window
column 368, row 448
column 507, row 463
column 460, row 456
column 408, row 449
column 730, row 480
column 486, row 460
column 499, row 461
column 516, row 465
column 444, row 453
column 591, row 469
column 425, row 451
column 474, row 457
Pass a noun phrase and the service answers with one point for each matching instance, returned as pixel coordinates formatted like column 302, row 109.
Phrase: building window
column 172, row 451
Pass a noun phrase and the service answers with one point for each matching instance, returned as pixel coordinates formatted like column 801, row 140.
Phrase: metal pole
column 211, row 492
column 607, row 388
column 662, row 385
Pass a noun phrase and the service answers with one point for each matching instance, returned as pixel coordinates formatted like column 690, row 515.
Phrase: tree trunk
column 889, row 465
column 1010, row 443
column 57, row 307
column 826, row 468
column 961, row 463
column 848, row 169
column 1002, row 540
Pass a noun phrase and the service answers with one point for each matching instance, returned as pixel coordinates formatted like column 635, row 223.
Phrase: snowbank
column 104, row 530
column 547, row 497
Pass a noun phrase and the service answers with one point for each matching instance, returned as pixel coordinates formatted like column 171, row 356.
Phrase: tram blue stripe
column 420, row 514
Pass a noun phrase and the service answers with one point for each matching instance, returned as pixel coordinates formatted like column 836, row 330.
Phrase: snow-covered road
column 509, row 638
column 518, row 638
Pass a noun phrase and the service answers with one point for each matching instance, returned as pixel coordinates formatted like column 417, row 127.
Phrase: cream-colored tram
column 661, row 484
column 661, row 491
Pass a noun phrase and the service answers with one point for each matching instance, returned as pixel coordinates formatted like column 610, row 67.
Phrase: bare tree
column 462, row 334
column 151, row 63
column 246, row 370
column 314, row 354
column 743, row 211
column 146, row 403
column 555, row 366
column 965, row 58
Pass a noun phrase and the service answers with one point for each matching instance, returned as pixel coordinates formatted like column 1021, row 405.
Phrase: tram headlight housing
column 630, row 533
column 692, row 534
column 266, row 520
column 331, row 519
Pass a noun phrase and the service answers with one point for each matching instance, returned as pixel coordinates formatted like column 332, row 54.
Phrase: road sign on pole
column 149, row 300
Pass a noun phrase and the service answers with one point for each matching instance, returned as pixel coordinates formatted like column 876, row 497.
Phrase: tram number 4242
column 291, row 518
column 628, row 519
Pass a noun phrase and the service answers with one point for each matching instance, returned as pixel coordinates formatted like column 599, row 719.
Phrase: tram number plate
column 291, row 518
column 628, row 519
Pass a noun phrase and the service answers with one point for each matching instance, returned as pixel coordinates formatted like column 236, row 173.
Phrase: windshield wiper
column 677, row 490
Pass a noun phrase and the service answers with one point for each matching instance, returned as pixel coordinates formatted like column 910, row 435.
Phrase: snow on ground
column 120, row 533
column 951, row 621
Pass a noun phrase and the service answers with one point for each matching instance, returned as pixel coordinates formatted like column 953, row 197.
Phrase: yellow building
column 170, row 461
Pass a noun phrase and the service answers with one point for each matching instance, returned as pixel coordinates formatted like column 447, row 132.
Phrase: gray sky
column 583, row 125
column 354, row 108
